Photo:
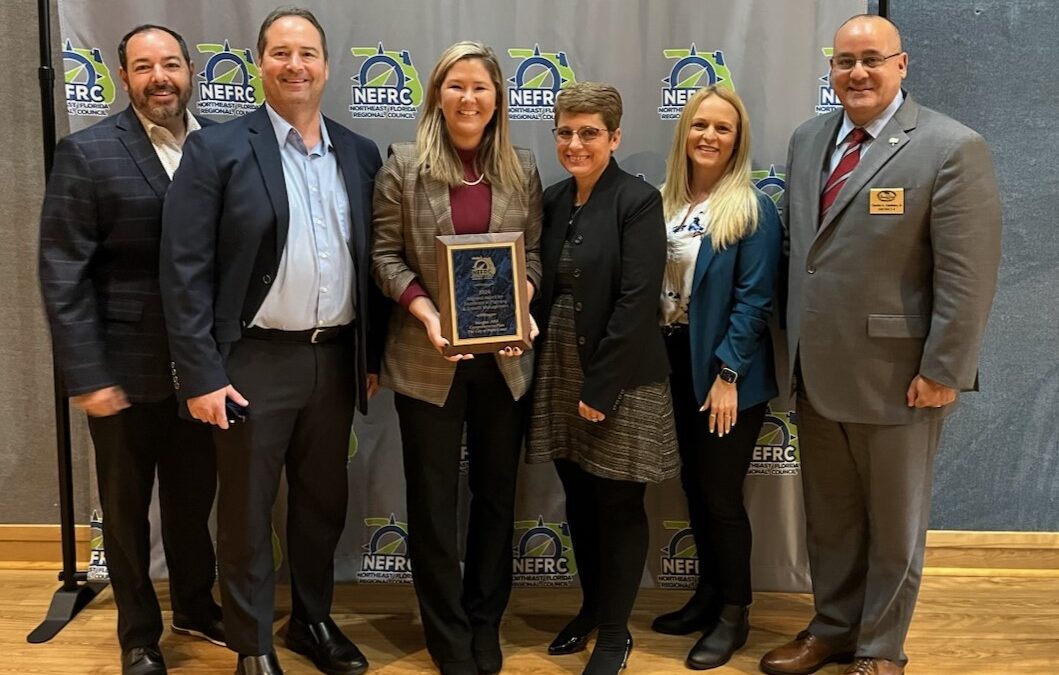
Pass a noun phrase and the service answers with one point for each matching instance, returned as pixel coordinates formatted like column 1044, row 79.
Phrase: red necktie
column 845, row 167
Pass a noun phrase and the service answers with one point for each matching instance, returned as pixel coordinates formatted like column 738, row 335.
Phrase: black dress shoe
column 211, row 629
column 142, row 661
column 715, row 648
column 266, row 664
column 698, row 614
column 330, row 651
column 573, row 638
column 610, row 655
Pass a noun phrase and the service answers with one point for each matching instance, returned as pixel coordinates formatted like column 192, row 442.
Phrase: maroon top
column 470, row 205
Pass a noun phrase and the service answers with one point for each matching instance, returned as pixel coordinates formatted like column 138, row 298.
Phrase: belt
column 673, row 328
column 311, row 336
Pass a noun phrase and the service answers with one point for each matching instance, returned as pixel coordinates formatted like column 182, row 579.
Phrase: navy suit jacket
column 223, row 234
column 732, row 296
column 99, row 236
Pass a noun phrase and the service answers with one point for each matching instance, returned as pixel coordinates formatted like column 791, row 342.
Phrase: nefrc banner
column 656, row 53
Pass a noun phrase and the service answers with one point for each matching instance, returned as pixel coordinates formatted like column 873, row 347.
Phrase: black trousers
column 130, row 447
column 712, row 473
column 457, row 609
column 302, row 398
column 608, row 530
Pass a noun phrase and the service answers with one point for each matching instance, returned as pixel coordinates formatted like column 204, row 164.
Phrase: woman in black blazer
column 601, row 409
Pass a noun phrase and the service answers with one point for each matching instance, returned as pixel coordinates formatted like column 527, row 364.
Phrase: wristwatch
column 728, row 375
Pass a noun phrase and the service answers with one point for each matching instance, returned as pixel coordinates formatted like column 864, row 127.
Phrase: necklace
column 577, row 209
column 475, row 182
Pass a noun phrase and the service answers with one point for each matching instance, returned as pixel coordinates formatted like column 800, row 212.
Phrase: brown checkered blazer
column 410, row 209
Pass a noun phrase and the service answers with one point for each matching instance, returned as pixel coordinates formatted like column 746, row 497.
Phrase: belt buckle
column 314, row 338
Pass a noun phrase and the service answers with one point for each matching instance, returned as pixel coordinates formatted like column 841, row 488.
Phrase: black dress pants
column 130, row 447
column 302, row 398
column 460, row 611
column 608, row 530
column 712, row 473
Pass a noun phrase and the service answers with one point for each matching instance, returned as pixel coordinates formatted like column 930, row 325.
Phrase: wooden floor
column 966, row 625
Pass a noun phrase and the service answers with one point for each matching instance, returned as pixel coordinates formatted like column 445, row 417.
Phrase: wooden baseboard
column 954, row 552
column 25, row 546
column 949, row 552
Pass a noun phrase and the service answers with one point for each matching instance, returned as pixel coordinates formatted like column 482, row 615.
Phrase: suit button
column 580, row 339
column 577, row 272
column 578, row 239
column 266, row 280
column 578, row 306
column 811, row 269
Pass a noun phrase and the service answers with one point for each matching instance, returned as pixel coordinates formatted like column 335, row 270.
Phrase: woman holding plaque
column 724, row 242
column 601, row 411
column 461, row 176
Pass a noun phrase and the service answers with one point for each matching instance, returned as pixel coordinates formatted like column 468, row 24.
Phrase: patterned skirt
column 637, row 442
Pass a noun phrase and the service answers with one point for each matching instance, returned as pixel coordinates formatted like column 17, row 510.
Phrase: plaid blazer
column 410, row 209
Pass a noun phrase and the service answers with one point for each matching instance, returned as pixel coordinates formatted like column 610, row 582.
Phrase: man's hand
column 723, row 403
column 373, row 385
column 589, row 413
column 102, row 402
column 423, row 309
column 926, row 393
column 209, row 408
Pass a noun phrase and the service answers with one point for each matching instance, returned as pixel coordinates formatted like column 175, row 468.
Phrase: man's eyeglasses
column 586, row 134
column 870, row 62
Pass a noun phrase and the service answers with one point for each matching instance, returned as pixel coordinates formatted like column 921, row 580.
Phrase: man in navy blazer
column 266, row 291
column 100, row 230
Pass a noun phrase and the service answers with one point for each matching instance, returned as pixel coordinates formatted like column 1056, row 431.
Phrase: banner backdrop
column 656, row 53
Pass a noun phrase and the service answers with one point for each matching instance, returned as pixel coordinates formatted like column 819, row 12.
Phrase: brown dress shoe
column 869, row 666
column 803, row 655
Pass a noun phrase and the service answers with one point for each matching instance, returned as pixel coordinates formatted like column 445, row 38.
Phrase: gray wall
column 990, row 64
column 987, row 63
column 27, row 437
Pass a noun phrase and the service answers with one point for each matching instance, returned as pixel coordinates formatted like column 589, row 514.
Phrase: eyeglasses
column 870, row 62
column 586, row 134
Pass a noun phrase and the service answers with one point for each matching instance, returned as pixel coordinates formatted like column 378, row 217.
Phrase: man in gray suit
column 894, row 220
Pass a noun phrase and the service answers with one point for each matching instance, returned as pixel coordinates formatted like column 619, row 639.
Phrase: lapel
column 702, row 262
column 822, row 146
column 438, row 196
column 346, row 155
column 881, row 152
column 501, row 197
column 134, row 137
column 266, row 151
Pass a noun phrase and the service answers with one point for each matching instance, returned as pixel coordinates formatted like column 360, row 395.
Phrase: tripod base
column 65, row 605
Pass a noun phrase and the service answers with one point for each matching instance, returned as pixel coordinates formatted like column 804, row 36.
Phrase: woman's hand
column 723, row 402
column 589, row 413
column 518, row 351
column 423, row 309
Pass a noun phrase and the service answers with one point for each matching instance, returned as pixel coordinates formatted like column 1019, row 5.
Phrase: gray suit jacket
column 876, row 299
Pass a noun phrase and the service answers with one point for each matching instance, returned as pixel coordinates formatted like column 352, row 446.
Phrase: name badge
column 886, row 201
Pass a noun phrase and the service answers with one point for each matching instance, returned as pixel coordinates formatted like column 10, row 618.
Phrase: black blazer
column 223, row 233
column 619, row 252
column 99, row 237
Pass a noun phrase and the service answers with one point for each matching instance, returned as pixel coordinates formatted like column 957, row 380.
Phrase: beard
column 160, row 113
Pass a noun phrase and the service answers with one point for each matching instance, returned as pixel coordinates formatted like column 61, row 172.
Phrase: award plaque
column 482, row 278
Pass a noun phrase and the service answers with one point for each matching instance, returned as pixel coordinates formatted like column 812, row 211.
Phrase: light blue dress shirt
column 316, row 280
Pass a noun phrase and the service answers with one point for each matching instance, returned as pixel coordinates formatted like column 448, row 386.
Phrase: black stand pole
column 884, row 8
column 75, row 592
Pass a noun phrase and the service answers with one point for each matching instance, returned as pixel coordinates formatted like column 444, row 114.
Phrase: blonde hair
column 436, row 155
column 733, row 201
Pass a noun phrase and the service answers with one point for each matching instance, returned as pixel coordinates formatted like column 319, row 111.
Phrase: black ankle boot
column 573, row 638
column 611, row 653
column 715, row 648
column 699, row 613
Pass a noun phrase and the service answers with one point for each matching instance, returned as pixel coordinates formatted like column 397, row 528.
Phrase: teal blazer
column 733, row 294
